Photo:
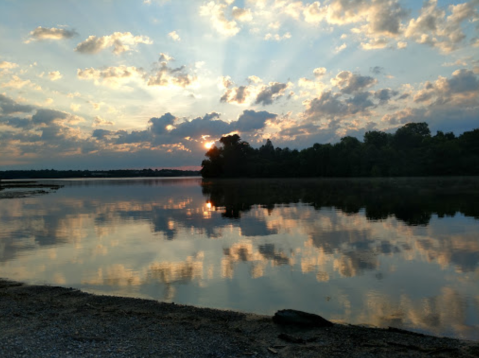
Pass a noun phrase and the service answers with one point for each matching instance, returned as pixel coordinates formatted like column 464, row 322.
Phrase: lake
column 384, row 252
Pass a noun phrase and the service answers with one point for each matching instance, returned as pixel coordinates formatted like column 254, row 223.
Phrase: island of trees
column 410, row 151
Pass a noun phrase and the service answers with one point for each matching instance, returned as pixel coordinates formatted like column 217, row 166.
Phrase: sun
column 208, row 145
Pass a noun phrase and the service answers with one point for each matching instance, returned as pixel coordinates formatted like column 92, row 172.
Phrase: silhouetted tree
column 410, row 151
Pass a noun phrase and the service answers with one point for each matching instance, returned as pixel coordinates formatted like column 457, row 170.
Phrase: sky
column 103, row 84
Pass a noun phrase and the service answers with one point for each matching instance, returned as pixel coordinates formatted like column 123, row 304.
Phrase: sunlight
column 208, row 145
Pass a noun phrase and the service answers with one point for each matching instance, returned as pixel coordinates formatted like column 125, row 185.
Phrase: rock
column 291, row 339
column 293, row 317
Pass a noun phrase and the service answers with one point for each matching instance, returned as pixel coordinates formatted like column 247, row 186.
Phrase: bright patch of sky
column 133, row 84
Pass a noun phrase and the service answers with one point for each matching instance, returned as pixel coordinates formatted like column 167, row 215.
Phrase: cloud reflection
column 132, row 238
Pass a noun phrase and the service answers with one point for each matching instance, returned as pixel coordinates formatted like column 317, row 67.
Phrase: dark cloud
column 349, row 82
column 101, row 133
column 269, row 93
column 158, row 125
column 359, row 102
column 252, row 120
column 235, row 95
column 463, row 81
column 377, row 70
column 206, row 125
column 47, row 116
column 45, row 33
column 384, row 95
column 133, row 137
column 328, row 104
column 387, row 18
column 9, row 106
column 23, row 123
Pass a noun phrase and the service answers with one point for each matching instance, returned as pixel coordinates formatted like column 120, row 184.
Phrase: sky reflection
column 211, row 244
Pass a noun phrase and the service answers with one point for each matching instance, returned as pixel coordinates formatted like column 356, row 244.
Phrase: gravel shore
column 45, row 321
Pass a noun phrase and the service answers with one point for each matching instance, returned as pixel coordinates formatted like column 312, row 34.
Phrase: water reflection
column 383, row 252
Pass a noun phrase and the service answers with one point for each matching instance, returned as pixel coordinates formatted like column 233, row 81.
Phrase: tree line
column 116, row 173
column 410, row 151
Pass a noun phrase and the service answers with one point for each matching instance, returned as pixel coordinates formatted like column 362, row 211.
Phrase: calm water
column 400, row 253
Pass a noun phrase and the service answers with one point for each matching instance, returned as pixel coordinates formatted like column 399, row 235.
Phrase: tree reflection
column 413, row 201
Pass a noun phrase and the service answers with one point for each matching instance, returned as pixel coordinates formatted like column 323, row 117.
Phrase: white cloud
column 55, row 75
column 120, row 41
column 319, row 72
column 5, row 65
column 216, row 14
column 75, row 107
column 174, row 36
column 98, row 121
column 111, row 76
column 277, row 37
column 240, row 14
column 17, row 83
column 338, row 49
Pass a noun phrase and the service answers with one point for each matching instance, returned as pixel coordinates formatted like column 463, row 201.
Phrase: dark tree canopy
column 410, row 151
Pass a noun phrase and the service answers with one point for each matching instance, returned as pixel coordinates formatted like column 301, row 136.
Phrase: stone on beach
column 294, row 317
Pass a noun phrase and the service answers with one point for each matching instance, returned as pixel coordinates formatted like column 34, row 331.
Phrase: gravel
column 45, row 321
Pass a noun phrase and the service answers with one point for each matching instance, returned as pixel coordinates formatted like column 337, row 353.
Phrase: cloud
column 277, row 37
column 349, row 82
column 314, row 13
column 101, row 133
column 168, row 76
column 338, row 49
column 55, row 75
column 327, row 104
column 360, row 102
column 161, row 75
column 209, row 124
column 254, row 79
column 236, row 95
column 47, row 116
column 165, row 58
column 98, row 121
column 159, row 125
column 120, row 41
column 435, row 28
column 319, row 72
column 384, row 95
column 270, row 93
column 45, row 33
column 377, row 70
column 174, row 36
column 242, row 14
column 251, row 120
column 216, row 14
column 461, row 88
column 9, row 106
column 5, row 65
column 17, row 83
column 111, row 76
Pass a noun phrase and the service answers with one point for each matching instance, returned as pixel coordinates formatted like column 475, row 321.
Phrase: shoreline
column 40, row 320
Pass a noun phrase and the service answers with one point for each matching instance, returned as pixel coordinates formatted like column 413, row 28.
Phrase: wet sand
column 46, row 321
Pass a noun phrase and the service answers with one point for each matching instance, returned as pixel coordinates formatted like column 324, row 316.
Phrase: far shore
column 40, row 321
